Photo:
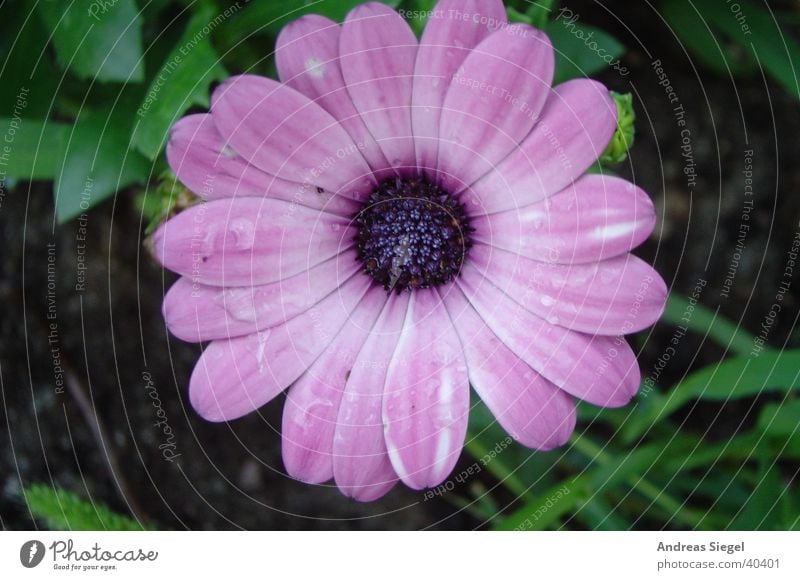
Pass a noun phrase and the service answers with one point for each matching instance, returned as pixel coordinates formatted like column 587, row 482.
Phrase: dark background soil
column 231, row 476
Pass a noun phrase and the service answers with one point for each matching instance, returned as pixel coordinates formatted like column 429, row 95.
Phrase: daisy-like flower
column 394, row 221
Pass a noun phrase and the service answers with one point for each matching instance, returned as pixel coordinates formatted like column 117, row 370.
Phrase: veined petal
column 196, row 312
column 493, row 102
column 286, row 134
column 248, row 241
column 234, row 377
column 601, row 370
column 378, row 50
column 529, row 407
column 197, row 154
column 454, row 28
column 361, row 465
column 595, row 218
column 577, row 122
column 312, row 406
column 426, row 397
column 307, row 57
column 616, row 296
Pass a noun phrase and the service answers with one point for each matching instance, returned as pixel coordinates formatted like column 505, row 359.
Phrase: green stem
column 671, row 505
column 496, row 467
column 703, row 320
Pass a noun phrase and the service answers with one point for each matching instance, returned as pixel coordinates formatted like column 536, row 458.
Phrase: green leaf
column 780, row 419
column 703, row 39
column 762, row 509
column 97, row 162
column 182, row 82
column 59, row 509
column 21, row 42
column 694, row 316
column 760, row 36
column 96, row 40
column 582, row 50
column 270, row 16
column 731, row 379
column 545, row 512
column 31, row 149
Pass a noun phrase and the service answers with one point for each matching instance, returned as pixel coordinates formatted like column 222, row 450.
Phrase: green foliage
column 736, row 38
column 181, row 82
column 96, row 40
column 59, row 509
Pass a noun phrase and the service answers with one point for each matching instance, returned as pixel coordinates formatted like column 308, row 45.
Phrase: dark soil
column 110, row 338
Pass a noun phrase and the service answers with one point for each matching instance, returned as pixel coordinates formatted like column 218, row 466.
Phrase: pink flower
column 395, row 221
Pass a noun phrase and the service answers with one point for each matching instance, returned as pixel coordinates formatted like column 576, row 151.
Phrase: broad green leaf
column 582, row 50
column 268, row 16
column 731, row 379
column 703, row 39
column 761, row 37
column 781, row 419
column 31, row 149
column 59, row 509
column 96, row 40
column 98, row 161
column 26, row 77
column 182, row 82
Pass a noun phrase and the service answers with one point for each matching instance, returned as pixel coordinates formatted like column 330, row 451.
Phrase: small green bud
column 617, row 149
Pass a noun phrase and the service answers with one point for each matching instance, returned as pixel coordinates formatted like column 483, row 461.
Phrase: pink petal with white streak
column 426, row 397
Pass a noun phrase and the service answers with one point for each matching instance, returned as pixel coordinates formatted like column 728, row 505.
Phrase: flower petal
column 286, row 134
column 596, row 218
column 307, row 57
column 196, row 312
column 454, row 28
column 616, row 296
column 197, row 154
column 312, row 406
column 361, row 464
column 601, row 370
column 234, row 377
column 493, row 102
column 530, row 408
column 378, row 50
column 426, row 398
column 577, row 122
column 248, row 241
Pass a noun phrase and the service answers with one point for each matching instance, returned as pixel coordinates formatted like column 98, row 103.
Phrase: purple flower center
column 412, row 234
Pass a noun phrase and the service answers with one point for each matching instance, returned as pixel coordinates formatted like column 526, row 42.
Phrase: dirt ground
column 109, row 336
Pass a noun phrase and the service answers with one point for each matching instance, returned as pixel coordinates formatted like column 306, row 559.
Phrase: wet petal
column 601, row 370
column 286, row 134
column 493, row 102
column 234, row 377
column 361, row 464
column 312, row 406
column 454, row 28
column 307, row 57
column 248, row 241
column 196, row 312
column 596, row 218
column 530, row 408
column 616, row 296
column 426, row 398
column 378, row 50
column 577, row 122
